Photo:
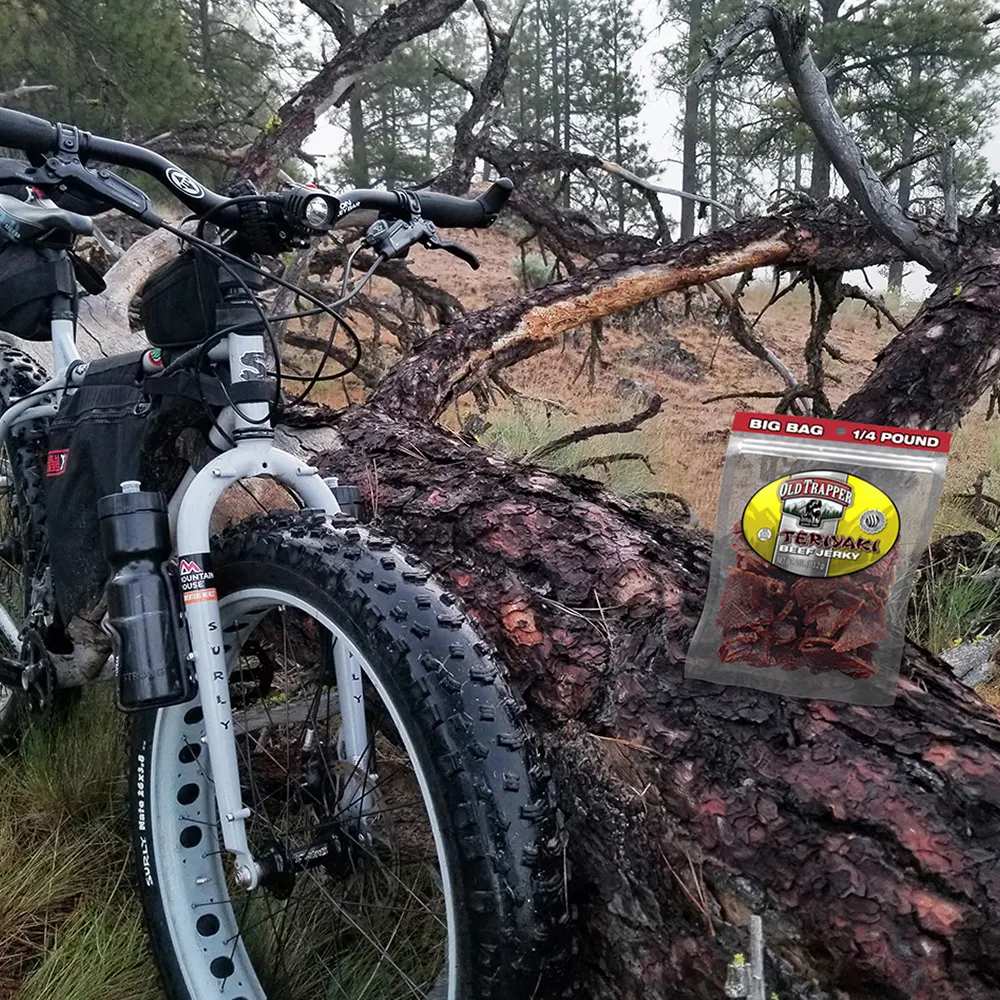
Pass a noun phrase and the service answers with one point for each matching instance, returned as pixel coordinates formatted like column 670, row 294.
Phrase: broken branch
column 598, row 430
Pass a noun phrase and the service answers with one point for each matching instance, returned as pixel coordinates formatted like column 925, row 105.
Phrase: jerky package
column 821, row 524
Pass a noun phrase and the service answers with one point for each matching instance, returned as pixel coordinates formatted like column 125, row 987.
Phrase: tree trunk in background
column 360, row 169
column 205, row 35
column 895, row 281
column 554, row 72
column 359, row 142
column 689, row 171
column 567, row 96
column 713, row 151
column 819, row 183
column 617, row 112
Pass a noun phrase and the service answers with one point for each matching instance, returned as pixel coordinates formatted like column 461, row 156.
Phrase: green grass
column 517, row 433
column 71, row 927
column 69, row 924
column 950, row 607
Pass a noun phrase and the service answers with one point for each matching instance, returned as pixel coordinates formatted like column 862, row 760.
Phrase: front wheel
column 423, row 867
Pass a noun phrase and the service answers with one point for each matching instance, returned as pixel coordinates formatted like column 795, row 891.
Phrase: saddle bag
column 107, row 431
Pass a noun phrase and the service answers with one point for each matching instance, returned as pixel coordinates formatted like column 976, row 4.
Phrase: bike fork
column 253, row 455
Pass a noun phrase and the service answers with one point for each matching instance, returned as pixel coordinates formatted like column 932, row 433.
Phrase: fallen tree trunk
column 867, row 839
column 473, row 347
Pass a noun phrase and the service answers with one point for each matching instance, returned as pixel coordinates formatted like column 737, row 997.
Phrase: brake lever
column 433, row 241
column 394, row 239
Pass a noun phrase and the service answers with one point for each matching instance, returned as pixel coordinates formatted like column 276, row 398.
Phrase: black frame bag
column 107, row 431
column 178, row 303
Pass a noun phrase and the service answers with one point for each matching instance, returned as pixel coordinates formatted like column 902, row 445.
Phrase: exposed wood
column 484, row 342
column 104, row 318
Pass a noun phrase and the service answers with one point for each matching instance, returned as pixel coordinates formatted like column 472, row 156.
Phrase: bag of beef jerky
column 821, row 524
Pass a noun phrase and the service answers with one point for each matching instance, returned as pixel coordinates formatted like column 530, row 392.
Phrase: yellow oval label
column 821, row 523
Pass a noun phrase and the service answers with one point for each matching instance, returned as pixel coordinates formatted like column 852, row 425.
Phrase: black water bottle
column 142, row 619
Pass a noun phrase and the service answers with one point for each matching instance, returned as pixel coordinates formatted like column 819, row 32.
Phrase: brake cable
column 224, row 257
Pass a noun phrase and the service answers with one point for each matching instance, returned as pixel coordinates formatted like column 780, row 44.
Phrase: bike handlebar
column 446, row 210
column 21, row 131
column 38, row 136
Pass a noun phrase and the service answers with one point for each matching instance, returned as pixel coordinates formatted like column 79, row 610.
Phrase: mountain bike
column 333, row 793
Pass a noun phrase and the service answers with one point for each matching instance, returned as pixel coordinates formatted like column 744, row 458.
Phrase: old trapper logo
column 813, row 500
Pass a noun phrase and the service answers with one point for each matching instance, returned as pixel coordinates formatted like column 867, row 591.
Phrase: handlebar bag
column 29, row 277
column 178, row 302
column 107, row 431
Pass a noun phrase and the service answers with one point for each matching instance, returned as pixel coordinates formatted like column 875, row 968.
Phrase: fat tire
column 21, row 374
column 483, row 765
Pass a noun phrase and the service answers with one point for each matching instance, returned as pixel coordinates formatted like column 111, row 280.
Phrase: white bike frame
column 245, row 449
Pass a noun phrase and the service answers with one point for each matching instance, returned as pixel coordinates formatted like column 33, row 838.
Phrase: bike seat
column 24, row 221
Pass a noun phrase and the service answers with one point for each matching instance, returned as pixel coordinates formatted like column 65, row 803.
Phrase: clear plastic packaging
column 820, row 526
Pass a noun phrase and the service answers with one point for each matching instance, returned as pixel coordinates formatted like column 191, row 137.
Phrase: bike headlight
column 316, row 212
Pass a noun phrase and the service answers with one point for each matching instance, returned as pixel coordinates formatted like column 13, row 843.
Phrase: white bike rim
column 192, row 881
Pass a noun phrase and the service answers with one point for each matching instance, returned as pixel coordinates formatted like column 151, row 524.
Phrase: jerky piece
column 748, row 646
column 861, row 630
column 850, row 664
column 784, row 628
column 830, row 617
column 750, row 600
column 750, row 562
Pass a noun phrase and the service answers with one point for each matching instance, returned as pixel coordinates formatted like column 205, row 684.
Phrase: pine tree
column 609, row 99
column 401, row 114
column 758, row 142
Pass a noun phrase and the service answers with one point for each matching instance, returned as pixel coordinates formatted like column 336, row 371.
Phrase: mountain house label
column 820, row 527
column 821, row 523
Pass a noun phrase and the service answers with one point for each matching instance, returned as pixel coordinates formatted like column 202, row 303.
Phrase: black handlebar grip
column 26, row 132
column 465, row 213
column 495, row 198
